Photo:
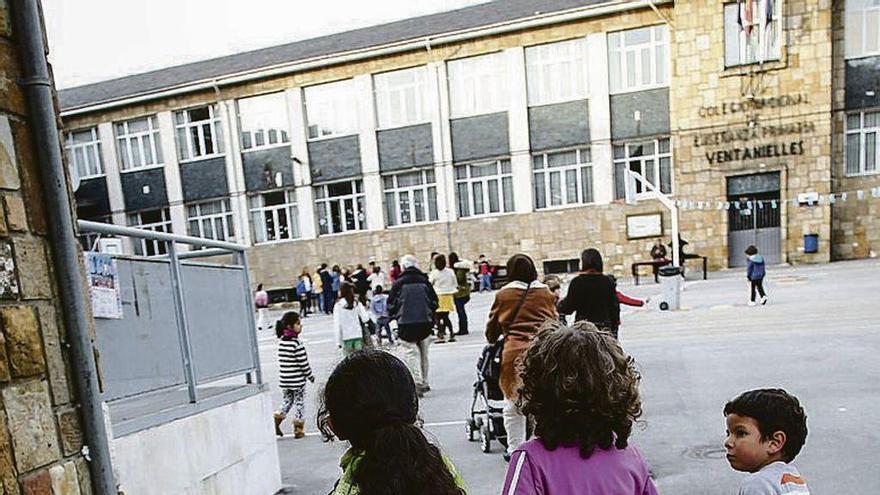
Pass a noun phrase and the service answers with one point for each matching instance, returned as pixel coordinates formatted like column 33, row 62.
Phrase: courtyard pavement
column 818, row 337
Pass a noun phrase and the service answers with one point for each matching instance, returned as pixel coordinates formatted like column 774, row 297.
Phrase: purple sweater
column 536, row 470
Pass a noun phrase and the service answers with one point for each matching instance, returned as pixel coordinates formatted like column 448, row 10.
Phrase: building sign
column 751, row 105
column 103, row 283
column 641, row 226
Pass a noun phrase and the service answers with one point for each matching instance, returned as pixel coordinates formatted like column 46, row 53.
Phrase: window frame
column 385, row 91
column 284, row 131
column 344, row 102
column 138, row 137
column 862, row 132
column 359, row 203
column 503, row 175
column 92, row 148
column 860, row 14
column 466, row 78
column 225, row 217
column 543, row 69
column 213, row 122
column 657, row 156
column 759, row 20
column 143, row 247
column 427, row 185
column 289, row 206
column 620, row 52
column 580, row 166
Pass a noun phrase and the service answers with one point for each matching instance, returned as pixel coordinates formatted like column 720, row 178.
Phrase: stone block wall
column 40, row 435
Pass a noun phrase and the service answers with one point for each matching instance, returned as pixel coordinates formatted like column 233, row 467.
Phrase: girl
column 445, row 285
column 294, row 370
column 304, row 291
column 261, row 301
column 582, row 391
column 348, row 316
column 755, row 273
column 370, row 401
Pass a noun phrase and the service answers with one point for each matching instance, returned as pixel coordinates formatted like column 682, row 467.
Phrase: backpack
column 300, row 288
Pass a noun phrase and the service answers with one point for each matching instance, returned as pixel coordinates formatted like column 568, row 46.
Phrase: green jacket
column 349, row 462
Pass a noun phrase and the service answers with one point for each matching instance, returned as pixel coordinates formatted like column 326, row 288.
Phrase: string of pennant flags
column 807, row 199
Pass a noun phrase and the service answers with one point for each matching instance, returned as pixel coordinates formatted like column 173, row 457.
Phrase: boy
column 766, row 429
column 755, row 273
column 379, row 307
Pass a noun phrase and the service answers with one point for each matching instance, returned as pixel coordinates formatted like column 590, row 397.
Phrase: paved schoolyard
column 819, row 338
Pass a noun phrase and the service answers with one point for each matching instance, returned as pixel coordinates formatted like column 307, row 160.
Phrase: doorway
column 754, row 218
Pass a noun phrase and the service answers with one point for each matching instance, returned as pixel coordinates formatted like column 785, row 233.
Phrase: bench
column 664, row 262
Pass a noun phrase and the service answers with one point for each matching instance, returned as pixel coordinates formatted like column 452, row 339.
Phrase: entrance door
column 757, row 220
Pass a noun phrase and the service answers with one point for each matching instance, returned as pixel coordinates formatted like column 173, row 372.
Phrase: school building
column 506, row 127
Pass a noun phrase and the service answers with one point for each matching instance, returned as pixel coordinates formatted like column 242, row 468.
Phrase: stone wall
column 40, row 438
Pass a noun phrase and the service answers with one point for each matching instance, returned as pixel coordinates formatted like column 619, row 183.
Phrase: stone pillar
column 600, row 119
column 518, row 129
column 302, row 174
column 112, row 173
column 235, row 172
column 363, row 86
column 173, row 186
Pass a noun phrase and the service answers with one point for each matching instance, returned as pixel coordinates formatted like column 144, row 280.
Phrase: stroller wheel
column 471, row 426
column 485, row 440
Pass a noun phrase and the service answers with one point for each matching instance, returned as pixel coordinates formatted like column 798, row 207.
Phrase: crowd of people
column 571, row 386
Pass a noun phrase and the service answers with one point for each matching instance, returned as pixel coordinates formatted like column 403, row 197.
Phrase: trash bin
column 670, row 288
column 811, row 243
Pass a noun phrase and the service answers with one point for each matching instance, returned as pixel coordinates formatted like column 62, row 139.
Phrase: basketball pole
column 632, row 197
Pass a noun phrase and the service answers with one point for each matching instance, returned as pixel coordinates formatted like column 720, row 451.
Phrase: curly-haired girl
column 582, row 391
column 370, row 400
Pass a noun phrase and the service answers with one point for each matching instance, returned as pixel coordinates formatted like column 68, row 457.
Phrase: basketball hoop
column 631, row 182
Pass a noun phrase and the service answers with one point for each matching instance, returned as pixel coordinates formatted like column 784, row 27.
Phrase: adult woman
column 463, row 270
column 445, row 285
column 395, row 271
column 519, row 310
column 592, row 296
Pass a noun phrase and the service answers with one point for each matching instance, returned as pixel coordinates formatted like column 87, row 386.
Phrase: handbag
column 491, row 371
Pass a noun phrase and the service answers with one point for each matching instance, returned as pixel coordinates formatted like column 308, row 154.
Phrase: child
column 582, row 391
column 766, row 429
column 261, row 301
column 379, row 307
column 348, row 317
column 755, row 273
column 294, row 370
column 370, row 401
column 555, row 285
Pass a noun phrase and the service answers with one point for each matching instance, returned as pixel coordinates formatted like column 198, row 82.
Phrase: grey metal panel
column 141, row 352
column 217, row 321
column 478, row 137
column 653, row 106
column 337, row 158
column 262, row 166
column 204, row 179
column 752, row 184
column 862, row 77
column 559, row 125
column 405, row 147
column 92, row 199
column 768, row 241
column 133, row 189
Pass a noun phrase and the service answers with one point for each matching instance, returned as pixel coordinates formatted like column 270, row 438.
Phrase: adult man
column 412, row 303
column 329, row 294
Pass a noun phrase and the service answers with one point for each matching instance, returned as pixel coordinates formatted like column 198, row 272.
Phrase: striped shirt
column 293, row 364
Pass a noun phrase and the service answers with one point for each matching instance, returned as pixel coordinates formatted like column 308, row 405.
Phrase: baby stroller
column 486, row 418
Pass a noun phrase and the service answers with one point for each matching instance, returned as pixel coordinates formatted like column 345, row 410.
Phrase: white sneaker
column 751, row 303
column 763, row 300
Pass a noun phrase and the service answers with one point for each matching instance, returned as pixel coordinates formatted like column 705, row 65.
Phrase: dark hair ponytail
column 288, row 319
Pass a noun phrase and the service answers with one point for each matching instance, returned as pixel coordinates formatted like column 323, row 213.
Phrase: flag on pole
column 746, row 17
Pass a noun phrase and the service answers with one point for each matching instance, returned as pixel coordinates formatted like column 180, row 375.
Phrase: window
column 158, row 220
column 756, row 39
column 562, row 266
column 211, row 220
column 401, row 97
column 331, row 109
column 274, row 216
column 199, row 133
column 410, row 197
column 563, row 178
column 484, row 188
column 639, row 58
column 89, row 240
column 138, row 142
column 262, row 121
column 557, row 72
column 862, row 28
column 650, row 158
column 862, row 130
column 341, row 207
column 84, row 153
column 477, row 85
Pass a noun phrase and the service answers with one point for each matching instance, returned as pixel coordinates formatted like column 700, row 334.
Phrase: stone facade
column 40, row 439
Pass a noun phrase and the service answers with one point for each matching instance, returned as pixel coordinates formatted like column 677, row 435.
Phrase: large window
column 557, row 72
column 563, row 178
column 138, row 142
column 401, row 97
column 862, row 28
column 262, row 121
column 410, row 197
column 158, row 220
column 211, row 220
column 639, row 58
column 751, row 32
column 199, row 133
column 477, row 85
column 331, row 109
column 651, row 158
column 341, row 207
column 84, row 153
column 862, row 153
column 484, row 188
column 274, row 216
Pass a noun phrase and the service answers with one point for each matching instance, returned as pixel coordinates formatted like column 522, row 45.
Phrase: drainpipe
column 38, row 89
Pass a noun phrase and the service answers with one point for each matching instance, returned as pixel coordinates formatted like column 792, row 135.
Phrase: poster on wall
column 103, row 282
column 642, row 226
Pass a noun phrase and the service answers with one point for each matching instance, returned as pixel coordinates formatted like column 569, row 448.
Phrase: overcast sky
column 94, row 40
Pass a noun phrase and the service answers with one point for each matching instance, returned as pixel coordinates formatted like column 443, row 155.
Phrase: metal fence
column 184, row 324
